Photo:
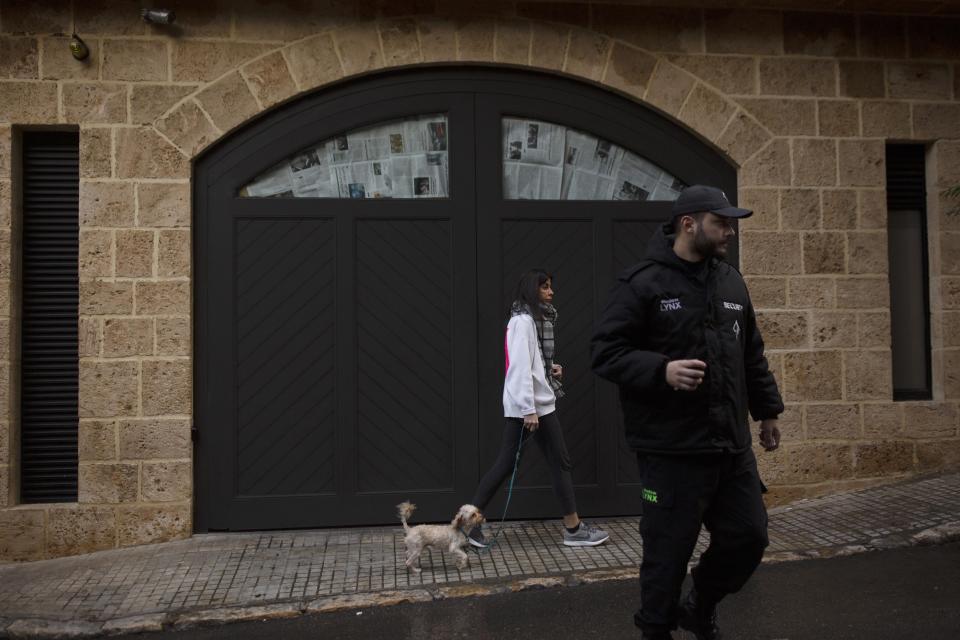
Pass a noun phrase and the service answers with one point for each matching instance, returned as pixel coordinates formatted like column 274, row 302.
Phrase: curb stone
column 34, row 628
column 365, row 600
column 223, row 615
column 938, row 535
column 136, row 624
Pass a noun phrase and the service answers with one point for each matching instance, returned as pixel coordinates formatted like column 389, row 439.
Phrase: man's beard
column 706, row 247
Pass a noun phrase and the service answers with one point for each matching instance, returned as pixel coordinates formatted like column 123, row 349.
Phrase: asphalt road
column 897, row 595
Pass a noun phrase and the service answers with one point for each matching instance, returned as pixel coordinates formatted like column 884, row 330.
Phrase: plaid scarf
column 546, row 337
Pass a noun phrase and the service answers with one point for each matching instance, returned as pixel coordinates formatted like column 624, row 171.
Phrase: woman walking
column 530, row 391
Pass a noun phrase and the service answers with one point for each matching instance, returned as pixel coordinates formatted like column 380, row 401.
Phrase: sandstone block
column 945, row 166
column 125, row 337
column 135, row 60
column 106, row 298
column 744, row 31
column 154, row 438
column 733, row 75
column 106, row 204
column 97, row 440
column 95, row 102
column 359, row 46
column 743, row 137
column 868, row 375
column 669, row 87
column 867, row 251
column 950, row 252
column 675, row 29
column 188, row 127
column 96, row 254
column 834, row 329
column 769, row 166
column 872, row 209
column 163, row 298
column 167, row 387
column 839, row 209
column 765, row 204
column 173, row 337
column 474, row 38
column 173, row 249
column 587, row 54
column 19, row 58
column 812, row 375
column 862, row 79
column 150, row 101
column 933, row 37
column 5, row 151
column 863, row 293
column 167, row 481
column 886, row 119
column 4, row 440
column 790, row 423
column 270, row 80
column 203, row 61
column 805, row 463
column 89, row 338
column 134, row 253
column 767, row 293
column 950, row 292
column 164, row 161
column 919, row 81
column 951, row 328
column 287, row 21
column 824, row 252
column 936, row 120
column 400, row 43
column 57, row 63
column 814, row 162
column 21, row 533
column 800, row 208
column 629, row 69
column 951, row 376
column 862, row 162
column 882, row 36
column 23, row 16
column 938, row 456
column 883, row 458
column 80, row 529
column 929, row 420
column 784, row 329
column 26, row 102
column 819, row 34
column 108, row 483
column 573, row 13
column 438, row 38
column 839, row 118
column 163, row 205
column 799, row 77
column 146, row 524
column 706, row 112
column 873, row 329
column 883, row 420
column 770, row 253
column 95, row 152
column 512, row 41
column 108, row 389
column 228, row 102
column 833, row 421
column 783, row 116
column 104, row 17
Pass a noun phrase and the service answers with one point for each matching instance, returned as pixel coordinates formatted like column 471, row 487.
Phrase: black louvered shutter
column 49, row 354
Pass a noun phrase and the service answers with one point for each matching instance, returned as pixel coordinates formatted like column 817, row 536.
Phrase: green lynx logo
column 650, row 495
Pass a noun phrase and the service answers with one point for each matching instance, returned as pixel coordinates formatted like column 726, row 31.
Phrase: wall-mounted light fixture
column 158, row 16
column 78, row 48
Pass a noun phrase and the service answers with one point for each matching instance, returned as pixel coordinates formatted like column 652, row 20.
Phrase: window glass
column 547, row 161
column 399, row 159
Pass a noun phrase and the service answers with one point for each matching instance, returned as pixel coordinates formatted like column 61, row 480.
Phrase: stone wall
column 802, row 102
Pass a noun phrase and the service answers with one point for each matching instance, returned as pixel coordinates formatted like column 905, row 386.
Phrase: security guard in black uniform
column 680, row 338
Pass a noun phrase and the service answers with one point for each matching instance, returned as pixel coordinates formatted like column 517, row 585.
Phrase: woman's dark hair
column 528, row 290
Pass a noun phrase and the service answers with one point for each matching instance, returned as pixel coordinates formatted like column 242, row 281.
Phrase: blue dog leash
column 513, row 476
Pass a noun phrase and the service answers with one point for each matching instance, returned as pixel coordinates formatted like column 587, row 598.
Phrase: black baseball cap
column 699, row 197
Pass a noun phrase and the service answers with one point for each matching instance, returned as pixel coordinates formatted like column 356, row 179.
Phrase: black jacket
column 661, row 310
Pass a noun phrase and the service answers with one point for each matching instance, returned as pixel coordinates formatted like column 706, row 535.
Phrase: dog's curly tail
column 404, row 511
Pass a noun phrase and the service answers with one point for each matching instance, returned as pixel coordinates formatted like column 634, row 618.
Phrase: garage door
column 354, row 256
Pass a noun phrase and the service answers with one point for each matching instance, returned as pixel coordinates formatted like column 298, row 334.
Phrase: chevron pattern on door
column 285, row 335
column 405, row 430
column 563, row 248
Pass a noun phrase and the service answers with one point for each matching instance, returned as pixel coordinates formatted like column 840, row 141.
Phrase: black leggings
column 549, row 437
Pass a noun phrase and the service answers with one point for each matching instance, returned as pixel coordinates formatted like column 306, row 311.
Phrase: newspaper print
column 402, row 159
column 546, row 161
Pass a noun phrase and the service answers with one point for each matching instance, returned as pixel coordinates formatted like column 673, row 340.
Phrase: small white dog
column 442, row 536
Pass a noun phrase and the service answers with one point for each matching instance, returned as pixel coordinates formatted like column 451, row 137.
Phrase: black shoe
column 476, row 538
column 699, row 618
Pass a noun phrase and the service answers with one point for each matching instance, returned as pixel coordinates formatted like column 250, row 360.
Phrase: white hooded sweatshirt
column 525, row 387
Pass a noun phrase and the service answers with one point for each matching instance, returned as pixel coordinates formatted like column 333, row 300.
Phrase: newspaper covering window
column 400, row 159
column 546, row 161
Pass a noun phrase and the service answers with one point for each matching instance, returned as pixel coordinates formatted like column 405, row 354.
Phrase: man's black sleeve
column 617, row 355
column 762, row 393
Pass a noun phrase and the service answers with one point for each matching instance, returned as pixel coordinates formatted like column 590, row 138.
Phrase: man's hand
column 769, row 434
column 556, row 371
column 531, row 422
column 685, row 375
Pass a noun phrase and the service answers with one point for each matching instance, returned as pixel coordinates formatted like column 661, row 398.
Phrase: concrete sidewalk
column 216, row 578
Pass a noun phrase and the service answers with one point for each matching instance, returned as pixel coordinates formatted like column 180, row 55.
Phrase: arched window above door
column 548, row 161
column 399, row 159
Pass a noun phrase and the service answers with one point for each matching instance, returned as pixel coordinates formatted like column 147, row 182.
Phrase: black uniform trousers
column 680, row 493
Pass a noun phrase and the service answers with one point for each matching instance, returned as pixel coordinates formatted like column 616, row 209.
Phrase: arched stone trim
column 284, row 73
